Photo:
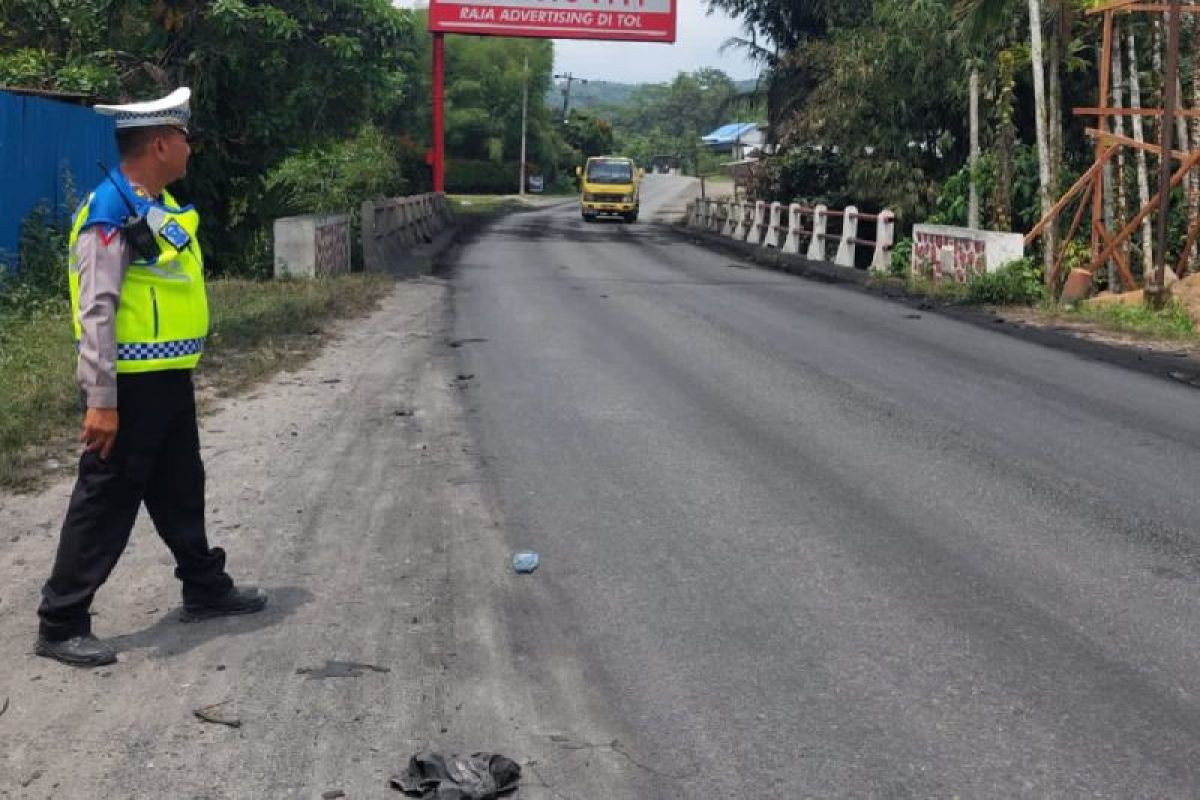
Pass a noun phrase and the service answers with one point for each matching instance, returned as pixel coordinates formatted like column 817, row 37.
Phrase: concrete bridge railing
column 392, row 228
column 794, row 228
column 318, row 245
column 312, row 246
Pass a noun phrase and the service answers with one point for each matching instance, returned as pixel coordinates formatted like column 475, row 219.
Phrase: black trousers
column 155, row 460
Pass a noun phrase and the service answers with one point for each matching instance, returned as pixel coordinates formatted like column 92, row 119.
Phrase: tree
column 269, row 79
column 774, row 31
column 890, row 94
column 670, row 118
column 1040, row 115
column 588, row 135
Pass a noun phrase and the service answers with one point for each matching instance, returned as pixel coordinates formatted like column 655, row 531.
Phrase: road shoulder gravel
column 351, row 491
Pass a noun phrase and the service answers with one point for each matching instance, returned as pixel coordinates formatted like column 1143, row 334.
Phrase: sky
column 697, row 44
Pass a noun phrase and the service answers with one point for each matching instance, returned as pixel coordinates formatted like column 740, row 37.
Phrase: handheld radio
column 136, row 229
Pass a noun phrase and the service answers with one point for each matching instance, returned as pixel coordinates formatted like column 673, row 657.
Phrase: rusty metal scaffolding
column 1105, row 244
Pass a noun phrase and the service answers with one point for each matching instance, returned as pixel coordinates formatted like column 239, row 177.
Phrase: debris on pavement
column 437, row 776
column 214, row 715
column 526, row 562
column 340, row 669
column 332, row 794
column 1186, row 377
column 460, row 342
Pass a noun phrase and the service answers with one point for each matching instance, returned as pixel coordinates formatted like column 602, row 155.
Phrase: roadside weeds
column 258, row 328
column 1170, row 328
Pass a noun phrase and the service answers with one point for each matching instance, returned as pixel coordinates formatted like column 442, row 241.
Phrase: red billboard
column 626, row 20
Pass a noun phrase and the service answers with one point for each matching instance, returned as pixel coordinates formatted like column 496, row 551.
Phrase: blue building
column 737, row 139
column 46, row 146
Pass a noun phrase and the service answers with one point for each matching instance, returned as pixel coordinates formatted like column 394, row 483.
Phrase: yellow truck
column 610, row 186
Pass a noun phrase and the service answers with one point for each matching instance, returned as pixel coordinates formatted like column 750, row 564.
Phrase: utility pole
column 524, row 122
column 569, row 78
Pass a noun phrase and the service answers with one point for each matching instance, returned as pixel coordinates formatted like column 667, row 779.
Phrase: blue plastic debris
column 525, row 562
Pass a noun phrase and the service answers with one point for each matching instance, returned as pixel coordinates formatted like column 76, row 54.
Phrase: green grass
column 1172, row 322
column 945, row 291
column 38, row 397
column 1019, row 287
column 258, row 328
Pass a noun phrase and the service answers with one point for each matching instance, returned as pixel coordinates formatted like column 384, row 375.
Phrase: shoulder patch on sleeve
column 106, row 233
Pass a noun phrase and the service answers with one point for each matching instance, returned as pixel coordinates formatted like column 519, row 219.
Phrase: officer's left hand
column 99, row 431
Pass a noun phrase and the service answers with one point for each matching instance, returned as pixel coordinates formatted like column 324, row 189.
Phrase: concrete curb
column 1178, row 367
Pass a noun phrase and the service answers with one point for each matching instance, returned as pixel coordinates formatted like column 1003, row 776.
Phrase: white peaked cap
column 170, row 110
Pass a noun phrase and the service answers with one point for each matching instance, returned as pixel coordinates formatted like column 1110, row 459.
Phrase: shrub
column 901, row 262
column 808, row 174
column 1016, row 283
column 338, row 176
column 468, row 176
column 40, row 277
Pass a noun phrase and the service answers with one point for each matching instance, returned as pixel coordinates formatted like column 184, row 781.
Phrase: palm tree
column 774, row 32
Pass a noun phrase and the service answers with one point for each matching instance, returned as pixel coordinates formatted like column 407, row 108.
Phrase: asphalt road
column 799, row 541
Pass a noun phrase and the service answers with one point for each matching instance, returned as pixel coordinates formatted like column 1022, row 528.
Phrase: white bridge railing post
column 795, row 229
column 739, row 229
column 845, row 252
column 773, row 228
column 816, row 248
column 755, row 234
column 885, row 237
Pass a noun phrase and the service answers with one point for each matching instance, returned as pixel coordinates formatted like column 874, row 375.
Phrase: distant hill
column 592, row 94
column 608, row 93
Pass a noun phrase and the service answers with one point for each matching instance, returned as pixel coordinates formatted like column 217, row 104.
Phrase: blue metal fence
column 41, row 141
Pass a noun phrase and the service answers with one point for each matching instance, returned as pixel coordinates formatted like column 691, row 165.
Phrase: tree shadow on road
column 168, row 636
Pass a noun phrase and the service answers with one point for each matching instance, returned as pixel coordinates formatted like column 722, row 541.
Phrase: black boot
column 247, row 600
column 78, row 651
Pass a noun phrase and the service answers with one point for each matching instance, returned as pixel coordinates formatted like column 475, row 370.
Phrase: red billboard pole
column 439, row 114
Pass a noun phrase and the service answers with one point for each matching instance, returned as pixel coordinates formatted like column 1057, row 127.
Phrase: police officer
column 140, row 313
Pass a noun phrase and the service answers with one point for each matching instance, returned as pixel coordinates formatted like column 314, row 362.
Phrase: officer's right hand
column 99, row 430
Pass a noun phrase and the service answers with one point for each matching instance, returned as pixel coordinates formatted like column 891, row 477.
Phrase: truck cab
column 609, row 186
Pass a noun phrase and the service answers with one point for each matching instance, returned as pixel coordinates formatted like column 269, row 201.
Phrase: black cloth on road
column 155, row 460
column 479, row 776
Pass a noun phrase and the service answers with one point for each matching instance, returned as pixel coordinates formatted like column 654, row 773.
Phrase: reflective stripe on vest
column 151, row 351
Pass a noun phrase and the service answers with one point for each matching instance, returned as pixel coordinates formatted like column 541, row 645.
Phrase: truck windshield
column 609, row 172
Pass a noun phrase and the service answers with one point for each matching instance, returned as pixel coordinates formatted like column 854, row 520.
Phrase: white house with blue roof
column 738, row 139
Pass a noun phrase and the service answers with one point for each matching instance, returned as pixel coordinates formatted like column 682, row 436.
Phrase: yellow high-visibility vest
column 162, row 318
